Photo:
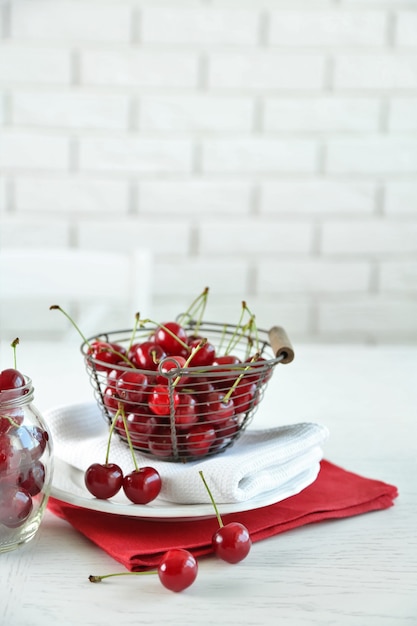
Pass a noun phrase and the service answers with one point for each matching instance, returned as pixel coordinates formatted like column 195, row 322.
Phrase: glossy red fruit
column 170, row 369
column 143, row 485
column 218, row 408
column 146, row 355
column 199, row 439
column 171, row 336
column 227, row 371
column 105, row 354
column 131, row 386
column 11, row 379
column 185, row 411
column 140, row 426
column 103, row 480
column 32, row 479
column 178, row 569
column 16, row 505
column 232, row 542
column 160, row 400
column 204, row 356
column 160, row 442
column 244, row 395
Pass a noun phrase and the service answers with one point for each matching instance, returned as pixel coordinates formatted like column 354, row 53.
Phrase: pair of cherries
column 178, row 568
column 104, row 480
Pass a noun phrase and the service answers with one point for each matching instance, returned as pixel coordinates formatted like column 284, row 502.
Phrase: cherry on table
column 231, row 542
column 178, row 569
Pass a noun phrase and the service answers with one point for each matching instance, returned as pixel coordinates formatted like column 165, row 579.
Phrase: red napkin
column 139, row 543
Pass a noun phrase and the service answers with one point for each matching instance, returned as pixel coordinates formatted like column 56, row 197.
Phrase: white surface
column 357, row 571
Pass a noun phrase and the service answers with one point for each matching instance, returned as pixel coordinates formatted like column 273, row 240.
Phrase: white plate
column 68, row 486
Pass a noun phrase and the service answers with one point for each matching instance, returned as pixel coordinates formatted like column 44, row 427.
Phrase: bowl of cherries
column 26, row 462
column 183, row 389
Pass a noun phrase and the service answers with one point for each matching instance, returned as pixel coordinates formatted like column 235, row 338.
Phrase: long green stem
column 135, row 327
column 98, row 579
column 121, row 411
column 56, row 307
column 112, row 427
column 216, row 510
column 198, row 304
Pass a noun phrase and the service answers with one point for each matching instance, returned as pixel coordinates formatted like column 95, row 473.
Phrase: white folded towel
column 278, row 461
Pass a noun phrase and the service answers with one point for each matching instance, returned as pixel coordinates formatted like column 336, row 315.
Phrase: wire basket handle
column 280, row 344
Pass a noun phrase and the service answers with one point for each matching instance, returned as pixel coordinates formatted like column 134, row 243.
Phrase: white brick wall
column 266, row 149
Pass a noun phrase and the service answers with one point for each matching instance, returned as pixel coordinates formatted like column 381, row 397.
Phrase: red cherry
column 160, row 442
column 244, row 395
column 131, row 386
column 160, row 400
column 227, row 370
column 218, row 408
column 15, row 506
column 199, row 439
column 11, row 379
column 175, row 362
column 185, row 411
column 13, row 418
column 171, row 336
column 263, row 374
column 140, row 426
column 103, row 480
column 105, row 354
column 142, row 485
column 33, row 478
column 204, row 356
column 146, row 355
column 177, row 569
column 232, row 542
column 111, row 399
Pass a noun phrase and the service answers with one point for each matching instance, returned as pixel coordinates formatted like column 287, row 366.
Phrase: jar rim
column 18, row 395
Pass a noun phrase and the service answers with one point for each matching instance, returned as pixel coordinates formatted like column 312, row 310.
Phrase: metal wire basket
column 183, row 413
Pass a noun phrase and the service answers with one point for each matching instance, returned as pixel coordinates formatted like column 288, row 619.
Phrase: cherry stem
column 235, row 337
column 121, row 412
column 98, row 579
column 219, row 519
column 56, row 307
column 252, row 325
column 198, row 305
column 194, row 351
column 135, row 327
column 14, row 344
column 112, row 426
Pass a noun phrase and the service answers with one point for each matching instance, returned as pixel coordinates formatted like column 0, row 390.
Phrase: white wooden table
column 357, row 571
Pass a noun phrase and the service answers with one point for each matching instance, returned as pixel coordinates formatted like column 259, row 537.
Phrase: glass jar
column 26, row 466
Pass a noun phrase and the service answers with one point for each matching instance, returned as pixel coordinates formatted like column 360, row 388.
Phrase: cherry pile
column 22, row 472
column 182, row 398
column 177, row 390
